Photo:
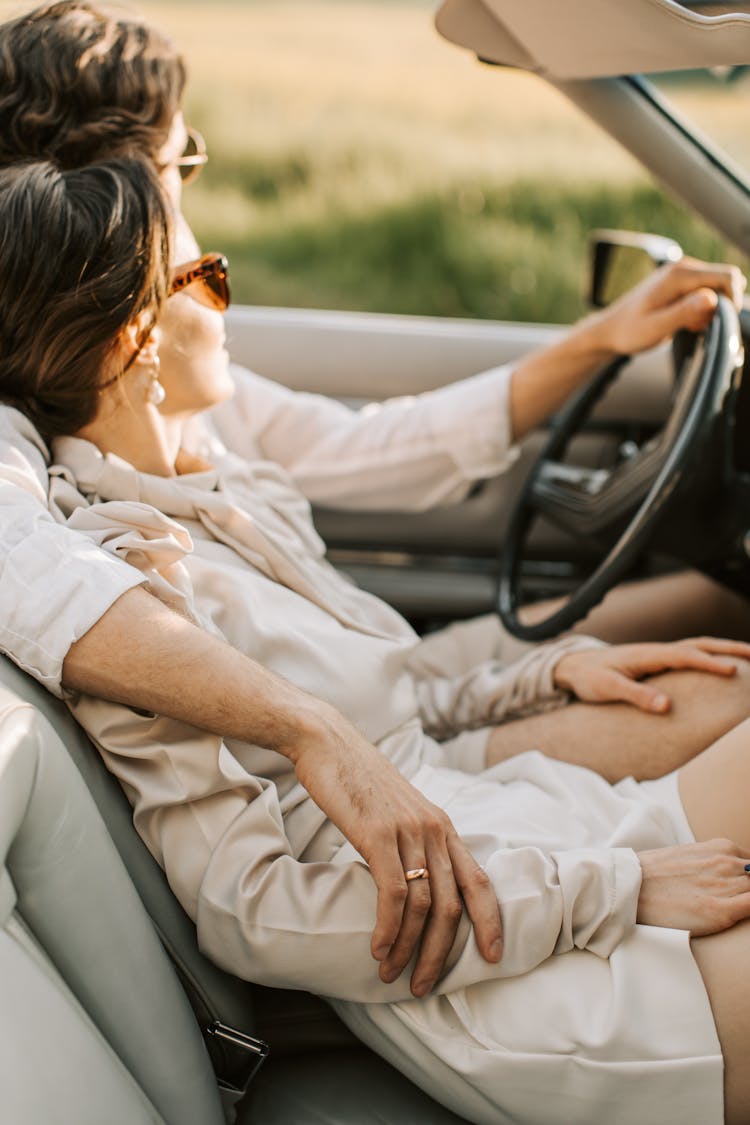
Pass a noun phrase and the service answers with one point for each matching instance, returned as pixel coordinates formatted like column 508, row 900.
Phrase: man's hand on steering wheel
column 680, row 295
column 615, row 674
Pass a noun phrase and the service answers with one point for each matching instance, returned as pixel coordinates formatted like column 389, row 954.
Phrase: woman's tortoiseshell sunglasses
column 206, row 278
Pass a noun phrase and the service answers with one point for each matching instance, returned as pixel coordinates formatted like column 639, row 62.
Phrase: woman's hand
column 614, row 674
column 679, row 295
column 702, row 887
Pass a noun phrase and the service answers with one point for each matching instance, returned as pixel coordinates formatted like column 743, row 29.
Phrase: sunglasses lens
column 207, row 281
column 216, row 287
column 191, row 145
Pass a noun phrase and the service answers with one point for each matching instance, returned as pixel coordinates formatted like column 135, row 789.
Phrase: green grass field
column 358, row 161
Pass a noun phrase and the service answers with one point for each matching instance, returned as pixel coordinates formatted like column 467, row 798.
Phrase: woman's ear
column 149, row 352
column 133, row 343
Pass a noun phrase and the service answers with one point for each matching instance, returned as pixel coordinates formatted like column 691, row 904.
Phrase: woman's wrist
column 594, row 338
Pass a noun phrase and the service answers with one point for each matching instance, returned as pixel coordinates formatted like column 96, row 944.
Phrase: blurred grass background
column 358, row 161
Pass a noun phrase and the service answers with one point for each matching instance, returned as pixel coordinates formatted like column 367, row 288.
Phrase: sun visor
column 599, row 38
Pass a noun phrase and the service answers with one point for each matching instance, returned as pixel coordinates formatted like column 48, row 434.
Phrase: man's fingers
column 442, row 924
column 433, row 912
column 416, row 911
column 388, row 874
column 479, row 898
column 423, row 913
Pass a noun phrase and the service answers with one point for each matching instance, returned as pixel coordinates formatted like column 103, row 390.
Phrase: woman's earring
column 155, row 393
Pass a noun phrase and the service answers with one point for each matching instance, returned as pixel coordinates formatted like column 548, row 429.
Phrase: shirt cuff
column 601, row 916
column 53, row 610
column 482, row 444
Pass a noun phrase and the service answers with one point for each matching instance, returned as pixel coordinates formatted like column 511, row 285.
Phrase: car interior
column 111, row 1013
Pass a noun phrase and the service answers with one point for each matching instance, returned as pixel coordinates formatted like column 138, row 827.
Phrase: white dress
column 588, row 1018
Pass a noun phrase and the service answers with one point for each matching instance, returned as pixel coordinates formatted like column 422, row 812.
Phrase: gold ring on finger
column 416, row 873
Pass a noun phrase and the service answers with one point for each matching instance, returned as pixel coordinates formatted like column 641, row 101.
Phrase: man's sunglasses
column 194, row 156
column 206, row 278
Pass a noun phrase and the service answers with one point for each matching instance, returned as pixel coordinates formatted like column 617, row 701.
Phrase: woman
column 620, row 1022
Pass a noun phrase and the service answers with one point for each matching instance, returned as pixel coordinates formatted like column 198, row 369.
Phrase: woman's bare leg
column 617, row 741
column 721, row 959
column 715, row 789
column 715, row 792
column 667, row 608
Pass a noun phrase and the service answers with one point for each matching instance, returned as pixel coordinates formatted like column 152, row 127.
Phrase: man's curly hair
column 81, row 83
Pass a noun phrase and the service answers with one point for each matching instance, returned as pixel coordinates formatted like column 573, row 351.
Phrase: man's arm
column 141, row 654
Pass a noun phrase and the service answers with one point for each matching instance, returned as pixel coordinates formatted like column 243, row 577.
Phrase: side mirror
column 621, row 258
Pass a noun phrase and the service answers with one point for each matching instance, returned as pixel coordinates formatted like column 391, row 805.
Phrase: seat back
column 95, row 1026
column 212, row 992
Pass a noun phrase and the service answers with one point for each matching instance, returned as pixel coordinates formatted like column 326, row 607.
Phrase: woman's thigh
column 715, row 793
column 715, row 789
column 722, row 960
column 617, row 741
column 667, row 608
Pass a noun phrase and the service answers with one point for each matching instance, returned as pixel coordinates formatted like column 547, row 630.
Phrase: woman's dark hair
column 82, row 253
column 80, row 84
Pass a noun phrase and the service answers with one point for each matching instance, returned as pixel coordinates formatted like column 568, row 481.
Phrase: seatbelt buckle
column 236, row 1058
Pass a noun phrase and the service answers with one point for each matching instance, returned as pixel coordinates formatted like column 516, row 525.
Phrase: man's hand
column 613, row 675
column 703, row 888
column 679, row 295
column 395, row 829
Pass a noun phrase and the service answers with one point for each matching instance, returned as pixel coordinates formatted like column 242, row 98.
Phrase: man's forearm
column 142, row 654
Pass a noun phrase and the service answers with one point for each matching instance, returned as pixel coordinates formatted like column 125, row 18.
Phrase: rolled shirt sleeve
column 408, row 453
column 55, row 582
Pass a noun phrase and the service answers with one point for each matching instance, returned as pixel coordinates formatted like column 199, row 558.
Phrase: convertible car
column 110, row 1013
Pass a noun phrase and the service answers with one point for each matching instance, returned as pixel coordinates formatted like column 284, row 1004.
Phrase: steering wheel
column 618, row 509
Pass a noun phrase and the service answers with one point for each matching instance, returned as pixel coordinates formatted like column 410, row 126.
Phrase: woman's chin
column 225, row 386
column 193, row 397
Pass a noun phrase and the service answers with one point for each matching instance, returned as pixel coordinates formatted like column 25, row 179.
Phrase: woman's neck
column 143, row 438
